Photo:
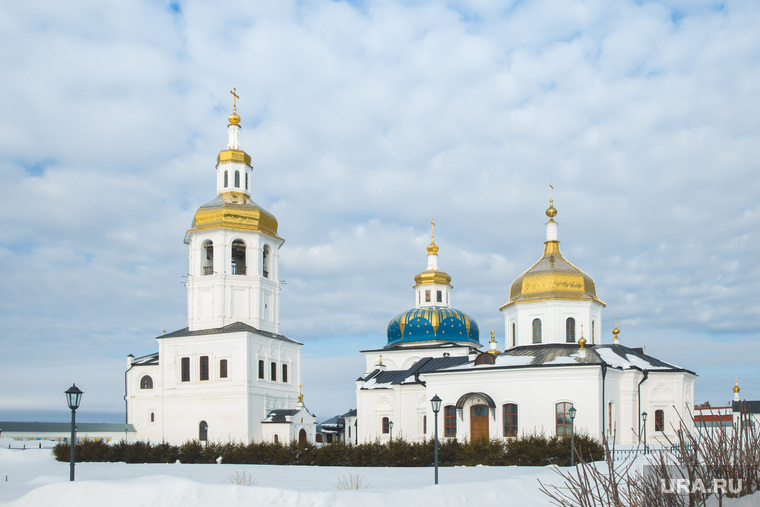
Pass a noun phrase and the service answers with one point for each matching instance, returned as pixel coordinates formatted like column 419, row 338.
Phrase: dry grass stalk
column 241, row 478
column 352, row 481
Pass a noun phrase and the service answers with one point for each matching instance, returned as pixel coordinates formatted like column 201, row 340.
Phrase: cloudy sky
column 364, row 121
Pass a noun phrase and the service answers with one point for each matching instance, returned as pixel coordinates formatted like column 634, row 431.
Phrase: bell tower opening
column 238, row 257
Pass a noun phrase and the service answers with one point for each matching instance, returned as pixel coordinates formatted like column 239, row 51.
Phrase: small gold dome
column 552, row 277
column 234, row 119
column 234, row 210
column 736, row 386
column 432, row 277
column 551, row 212
column 582, row 343
column 616, row 331
column 432, row 248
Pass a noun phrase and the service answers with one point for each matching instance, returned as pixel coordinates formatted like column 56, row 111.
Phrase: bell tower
column 233, row 249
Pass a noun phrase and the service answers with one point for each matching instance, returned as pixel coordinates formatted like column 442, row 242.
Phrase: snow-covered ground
column 32, row 477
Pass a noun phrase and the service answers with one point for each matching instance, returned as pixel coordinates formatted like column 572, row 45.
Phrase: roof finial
column 582, row 341
column 493, row 349
column 616, row 332
column 736, row 385
column 234, row 118
column 300, row 395
column 381, row 359
column 432, row 248
column 551, row 212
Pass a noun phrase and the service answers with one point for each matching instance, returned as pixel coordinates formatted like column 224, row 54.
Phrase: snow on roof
column 609, row 356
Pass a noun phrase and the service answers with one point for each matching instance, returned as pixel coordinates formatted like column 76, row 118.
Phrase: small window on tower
column 185, row 369
column 223, row 368
column 265, row 261
column 536, row 330
column 204, row 368
column 514, row 334
column 440, row 297
column 226, row 179
column 427, row 296
column 246, row 181
column 237, row 179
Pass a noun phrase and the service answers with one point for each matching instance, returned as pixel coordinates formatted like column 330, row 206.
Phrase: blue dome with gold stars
column 432, row 324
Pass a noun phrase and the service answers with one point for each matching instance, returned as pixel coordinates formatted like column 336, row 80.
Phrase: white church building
column 229, row 375
column 554, row 359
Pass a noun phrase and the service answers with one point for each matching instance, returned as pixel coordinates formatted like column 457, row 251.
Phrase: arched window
column 238, row 257
column 203, row 431
column 570, row 330
column 386, row 425
column 207, row 260
column 146, row 382
column 285, row 373
column 226, row 179
column 152, row 417
column 510, row 420
column 261, row 369
column 563, row 418
column 237, row 179
column 265, row 261
column 450, row 421
column 276, row 438
column 659, row 420
column 536, row 330
column 246, row 181
column 424, row 425
column 514, row 334
column 593, row 331
column 273, row 372
column 302, row 436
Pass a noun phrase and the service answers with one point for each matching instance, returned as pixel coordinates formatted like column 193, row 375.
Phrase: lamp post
column 73, row 397
column 436, row 403
column 644, row 417
column 572, row 435
column 390, row 429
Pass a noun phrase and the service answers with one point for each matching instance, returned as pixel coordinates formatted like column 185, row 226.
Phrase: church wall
column 523, row 387
column 141, row 403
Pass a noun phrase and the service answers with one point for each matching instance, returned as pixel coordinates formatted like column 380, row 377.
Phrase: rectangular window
column 510, row 420
column 274, row 372
column 386, row 425
column 285, row 373
column 424, row 425
column 185, row 369
column 440, row 297
column 427, row 296
column 204, row 368
column 223, row 368
column 564, row 423
column 450, row 421
column 261, row 369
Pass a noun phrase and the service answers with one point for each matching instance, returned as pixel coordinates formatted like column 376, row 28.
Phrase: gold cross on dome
column 235, row 96
column 551, row 192
column 432, row 222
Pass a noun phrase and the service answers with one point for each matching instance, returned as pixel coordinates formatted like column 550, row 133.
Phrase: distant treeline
column 526, row 451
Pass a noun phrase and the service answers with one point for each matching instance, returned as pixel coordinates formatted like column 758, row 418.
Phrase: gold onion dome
column 736, row 386
column 234, row 119
column 552, row 277
column 234, row 210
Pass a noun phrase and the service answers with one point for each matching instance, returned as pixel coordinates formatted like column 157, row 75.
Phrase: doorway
column 478, row 422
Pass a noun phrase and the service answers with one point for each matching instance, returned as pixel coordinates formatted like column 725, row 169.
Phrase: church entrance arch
column 478, row 422
column 302, row 436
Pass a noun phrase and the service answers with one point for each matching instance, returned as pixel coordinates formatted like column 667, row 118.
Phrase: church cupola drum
column 233, row 249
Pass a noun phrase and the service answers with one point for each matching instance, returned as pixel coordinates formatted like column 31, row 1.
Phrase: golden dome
column 233, row 156
column 234, row 119
column 736, row 385
column 582, row 343
column 432, row 248
column 234, row 210
column 552, row 277
column 432, row 277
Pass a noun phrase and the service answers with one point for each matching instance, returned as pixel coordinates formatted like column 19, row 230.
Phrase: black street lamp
column 644, row 417
column 436, row 403
column 73, row 397
column 572, row 435
column 390, row 429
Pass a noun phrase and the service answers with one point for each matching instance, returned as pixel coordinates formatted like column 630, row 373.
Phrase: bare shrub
column 694, row 459
column 352, row 481
column 241, row 478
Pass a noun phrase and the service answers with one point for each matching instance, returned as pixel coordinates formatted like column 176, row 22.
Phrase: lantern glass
column 73, row 396
column 436, row 403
